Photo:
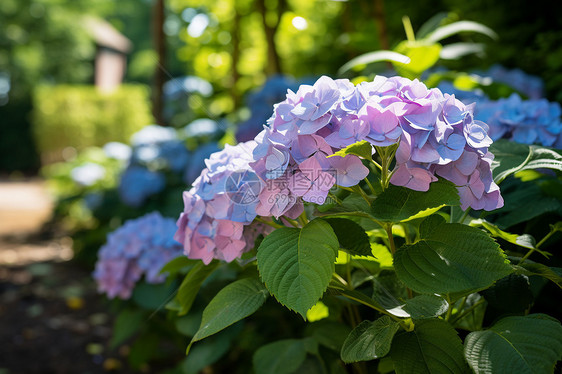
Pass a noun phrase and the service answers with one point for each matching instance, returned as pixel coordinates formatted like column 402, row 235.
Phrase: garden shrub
column 81, row 116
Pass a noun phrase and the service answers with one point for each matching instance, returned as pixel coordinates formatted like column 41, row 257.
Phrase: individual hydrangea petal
column 350, row 170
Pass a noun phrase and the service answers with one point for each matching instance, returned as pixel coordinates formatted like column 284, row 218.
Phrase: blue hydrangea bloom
column 140, row 247
column 138, row 183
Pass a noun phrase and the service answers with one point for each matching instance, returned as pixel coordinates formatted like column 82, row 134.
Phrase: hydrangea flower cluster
column 140, row 247
column 221, row 202
column 287, row 162
column 523, row 121
column 434, row 132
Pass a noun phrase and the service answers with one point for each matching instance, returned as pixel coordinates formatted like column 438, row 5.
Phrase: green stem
column 338, row 201
column 292, row 222
column 547, row 236
column 388, row 229
column 464, row 215
column 468, row 311
column 269, row 223
column 362, row 193
column 370, row 186
column 409, row 29
column 376, row 164
column 449, row 309
column 303, row 218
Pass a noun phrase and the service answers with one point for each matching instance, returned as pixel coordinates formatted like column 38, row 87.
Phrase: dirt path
column 51, row 318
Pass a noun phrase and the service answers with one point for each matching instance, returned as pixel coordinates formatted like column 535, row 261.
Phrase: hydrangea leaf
column 400, row 204
column 280, row 357
column 429, row 224
column 369, row 340
column 458, row 27
column 351, row 236
column 426, row 306
column 511, row 157
column 233, row 303
column 362, row 149
column 423, row 55
column 517, row 344
column 369, row 58
column 532, row 268
column 433, row 347
column 453, row 258
column 296, row 265
column 191, row 284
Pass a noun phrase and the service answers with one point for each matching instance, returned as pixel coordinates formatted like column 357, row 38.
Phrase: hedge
column 80, row 116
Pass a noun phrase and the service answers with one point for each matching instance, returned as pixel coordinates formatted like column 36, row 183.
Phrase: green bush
column 80, row 116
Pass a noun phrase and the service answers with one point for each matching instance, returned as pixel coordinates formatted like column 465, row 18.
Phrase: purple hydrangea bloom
column 140, row 247
column 222, row 200
column 433, row 130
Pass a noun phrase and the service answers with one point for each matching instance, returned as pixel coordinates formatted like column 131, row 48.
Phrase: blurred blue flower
column 523, row 121
column 138, row 183
column 260, row 103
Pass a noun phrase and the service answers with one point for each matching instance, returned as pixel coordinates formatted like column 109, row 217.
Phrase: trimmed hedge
column 80, row 116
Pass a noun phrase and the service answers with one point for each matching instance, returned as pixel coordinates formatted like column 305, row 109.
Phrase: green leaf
column 429, row 224
column 511, row 157
column 433, row 347
column 509, row 295
column 470, row 316
column 530, row 344
column 211, row 350
column 366, row 300
column 400, row 204
column 362, row 148
column 525, row 241
column 453, row 258
column 431, row 24
column 369, row 340
column 524, row 203
column 369, row 58
column 233, row 303
column 423, row 55
column 280, row 357
column 296, row 265
column 192, row 283
column 177, row 264
column 351, row 236
column 426, row 306
column 457, row 27
column 127, row 323
column 153, row 296
column 533, row 268
column 455, row 51
column 330, row 334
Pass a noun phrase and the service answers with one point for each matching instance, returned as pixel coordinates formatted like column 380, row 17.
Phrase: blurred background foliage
column 234, row 46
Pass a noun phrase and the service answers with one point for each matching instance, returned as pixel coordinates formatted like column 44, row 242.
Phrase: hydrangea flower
column 432, row 129
column 138, row 183
column 288, row 161
column 523, row 121
column 140, row 247
column 260, row 103
column 221, row 202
